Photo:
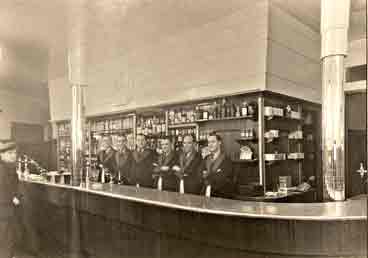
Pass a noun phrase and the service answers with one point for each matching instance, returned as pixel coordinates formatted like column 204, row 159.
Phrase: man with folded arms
column 163, row 167
column 217, row 171
column 142, row 164
column 106, row 158
column 187, row 168
column 123, row 160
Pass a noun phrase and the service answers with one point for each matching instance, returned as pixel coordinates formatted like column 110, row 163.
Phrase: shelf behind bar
column 226, row 118
column 184, row 125
column 113, row 131
column 245, row 140
column 245, row 160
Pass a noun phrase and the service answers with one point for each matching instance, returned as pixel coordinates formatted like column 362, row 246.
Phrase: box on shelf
column 295, row 115
column 274, row 156
column 296, row 155
column 272, row 134
column 296, row 135
column 273, row 111
column 245, row 153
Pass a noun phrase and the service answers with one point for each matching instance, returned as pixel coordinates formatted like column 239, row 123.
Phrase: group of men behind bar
column 171, row 170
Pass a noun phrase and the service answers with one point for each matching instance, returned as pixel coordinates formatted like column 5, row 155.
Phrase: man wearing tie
column 123, row 160
column 166, row 160
column 217, row 171
column 106, row 157
column 188, row 166
column 142, row 164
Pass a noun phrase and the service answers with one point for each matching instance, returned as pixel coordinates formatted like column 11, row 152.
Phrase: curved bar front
column 123, row 221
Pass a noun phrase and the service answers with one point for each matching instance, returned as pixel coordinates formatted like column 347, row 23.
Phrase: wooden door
column 356, row 142
column 357, row 153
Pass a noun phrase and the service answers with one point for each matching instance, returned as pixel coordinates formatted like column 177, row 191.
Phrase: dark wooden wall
column 356, row 142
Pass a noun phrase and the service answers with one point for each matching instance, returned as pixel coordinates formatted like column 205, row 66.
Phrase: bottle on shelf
column 171, row 116
column 244, row 108
column 198, row 113
column 205, row 113
column 237, row 110
column 223, row 108
column 252, row 108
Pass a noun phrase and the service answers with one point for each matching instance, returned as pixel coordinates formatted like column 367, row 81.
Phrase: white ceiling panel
column 38, row 30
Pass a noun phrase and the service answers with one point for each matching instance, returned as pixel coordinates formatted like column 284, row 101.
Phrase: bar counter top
column 328, row 211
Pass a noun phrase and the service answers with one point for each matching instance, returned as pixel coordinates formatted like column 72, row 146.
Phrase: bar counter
column 123, row 221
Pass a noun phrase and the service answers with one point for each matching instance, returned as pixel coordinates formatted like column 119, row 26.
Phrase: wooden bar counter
column 122, row 221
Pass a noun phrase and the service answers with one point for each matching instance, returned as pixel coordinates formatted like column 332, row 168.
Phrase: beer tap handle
column 102, row 173
column 159, row 183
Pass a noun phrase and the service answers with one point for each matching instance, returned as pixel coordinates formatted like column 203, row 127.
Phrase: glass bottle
column 205, row 114
column 223, row 108
column 244, row 108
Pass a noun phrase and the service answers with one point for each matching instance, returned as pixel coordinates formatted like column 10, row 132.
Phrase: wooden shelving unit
column 164, row 122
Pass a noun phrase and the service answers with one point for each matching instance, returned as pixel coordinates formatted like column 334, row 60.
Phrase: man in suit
column 217, row 171
column 123, row 160
column 106, row 158
column 188, row 166
column 142, row 164
column 9, row 199
column 166, row 160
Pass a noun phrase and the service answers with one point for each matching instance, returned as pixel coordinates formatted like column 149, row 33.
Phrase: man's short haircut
column 166, row 138
column 122, row 136
column 191, row 136
column 218, row 137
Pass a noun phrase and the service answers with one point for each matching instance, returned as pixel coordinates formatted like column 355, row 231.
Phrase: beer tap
column 102, row 173
column 208, row 185
column 26, row 169
column 19, row 168
column 159, row 183
column 159, row 171
column 87, row 172
column 111, row 182
column 208, row 190
column 181, row 186
column 179, row 173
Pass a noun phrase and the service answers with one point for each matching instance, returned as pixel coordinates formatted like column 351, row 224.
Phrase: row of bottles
column 181, row 116
column 209, row 111
column 64, row 129
column 151, row 126
column 178, row 134
column 113, row 124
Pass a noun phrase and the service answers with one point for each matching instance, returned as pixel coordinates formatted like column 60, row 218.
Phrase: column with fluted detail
column 77, row 74
column 334, row 44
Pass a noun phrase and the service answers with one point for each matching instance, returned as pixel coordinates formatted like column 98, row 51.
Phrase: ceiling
column 37, row 31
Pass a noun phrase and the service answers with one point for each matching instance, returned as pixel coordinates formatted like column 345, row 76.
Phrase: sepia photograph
column 183, row 129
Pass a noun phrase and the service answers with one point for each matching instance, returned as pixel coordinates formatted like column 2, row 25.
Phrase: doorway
column 356, row 142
